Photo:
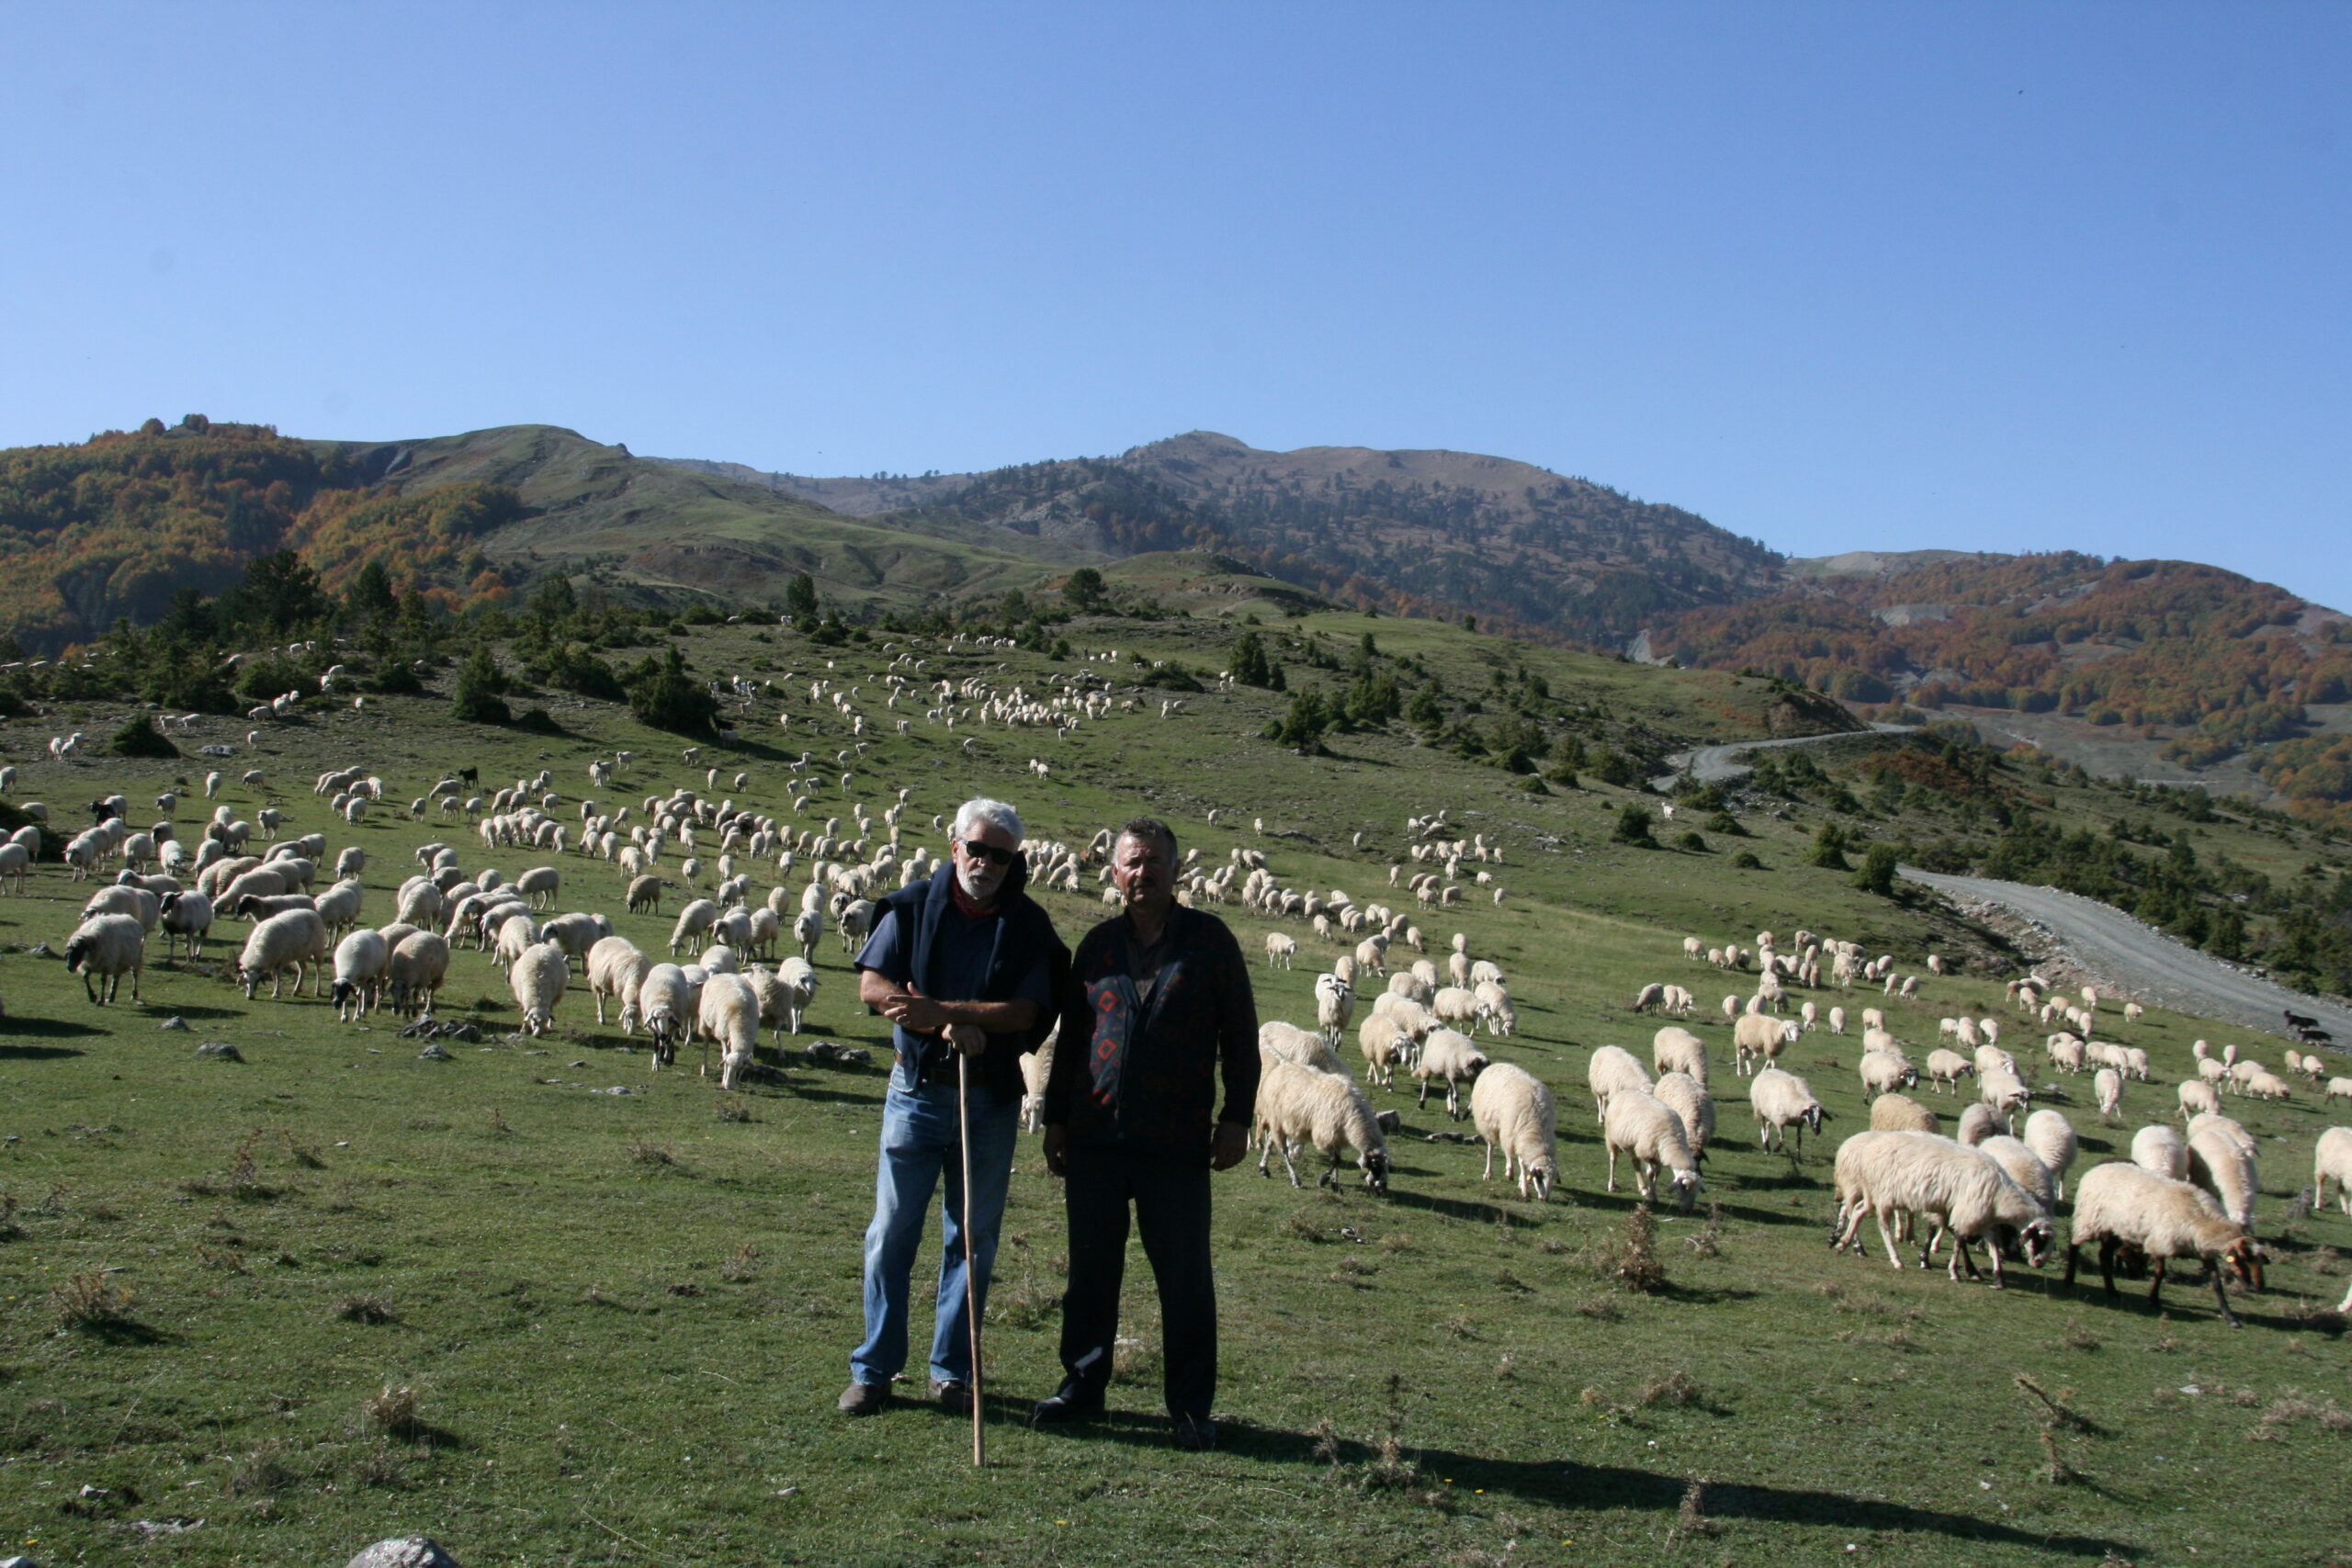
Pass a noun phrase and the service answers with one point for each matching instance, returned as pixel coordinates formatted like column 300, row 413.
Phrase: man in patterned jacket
column 1157, row 1008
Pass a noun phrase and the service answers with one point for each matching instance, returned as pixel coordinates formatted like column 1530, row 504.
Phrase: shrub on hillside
column 478, row 696
column 1634, row 826
column 1877, row 875
column 665, row 696
column 140, row 739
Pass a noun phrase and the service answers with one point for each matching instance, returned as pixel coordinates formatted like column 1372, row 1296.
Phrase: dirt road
column 2143, row 961
column 1714, row 764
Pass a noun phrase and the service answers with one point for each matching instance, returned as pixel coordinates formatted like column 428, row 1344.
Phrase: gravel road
column 1715, row 764
column 2143, row 961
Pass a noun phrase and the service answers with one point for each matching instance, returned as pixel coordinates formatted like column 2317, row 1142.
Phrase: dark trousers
column 1172, row 1211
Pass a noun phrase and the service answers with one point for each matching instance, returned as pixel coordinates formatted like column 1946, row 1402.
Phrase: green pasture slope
column 624, row 1317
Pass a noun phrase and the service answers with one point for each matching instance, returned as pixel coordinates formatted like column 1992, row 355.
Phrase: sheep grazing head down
column 77, row 954
column 1375, row 1171
column 2036, row 1241
column 1536, row 1179
column 2242, row 1258
column 1686, row 1186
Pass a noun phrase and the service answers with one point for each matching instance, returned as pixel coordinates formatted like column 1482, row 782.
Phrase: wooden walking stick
column 971, row 1268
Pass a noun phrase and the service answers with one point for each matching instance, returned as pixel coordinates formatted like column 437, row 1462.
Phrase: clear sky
column 1879, row 275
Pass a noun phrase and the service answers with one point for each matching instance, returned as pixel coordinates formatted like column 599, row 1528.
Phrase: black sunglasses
column 988, row 852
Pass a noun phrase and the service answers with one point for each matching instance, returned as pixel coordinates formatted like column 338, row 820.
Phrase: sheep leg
column 2221, row 1297
column 1288, row 1164
column 1489, row 1173
column 1265, row 1148
column 2107, row 1249
column 2156, row 1284
column 1886, row 1235
column 1612, row 1167
column 1422, row 1103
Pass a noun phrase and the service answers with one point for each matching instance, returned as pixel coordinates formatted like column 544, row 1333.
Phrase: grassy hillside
column 623, row 1315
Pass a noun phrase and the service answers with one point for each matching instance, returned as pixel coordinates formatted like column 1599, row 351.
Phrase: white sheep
column 360, row 962
column 1688, row 1098
column 2120, row 1205
column 1514, row 1112
column 538, row 979
column 340, row 906
column 615, row 967
column 2107, row 1084
column 693, row 920
column 2163, row 1150
column 1609, row 1070
column 798, row 976
column 2224, row 1166
column 539, row 885
column 1304, row 1047
column 2004, row 1093
column 1297, row 1105
column 186, row 917
column 2197, row 1099
column 1882, row 1073
column 1335, row 1004
column 103, row 949
column 1384, row 1046
column 1963, row 1191
column 1649, row 1131
column 1280, row 948
column 728, row 1016
column 1757, row 1036
column 2332, row 1160
column 665, row 1005
column 1946, row 1068
column 1783, row 1101
column 1674, row 1049
column 2019, row 1161
column 2050, row 1135
column 412, row 977
column 1451, row 1057
column 1901, row 1113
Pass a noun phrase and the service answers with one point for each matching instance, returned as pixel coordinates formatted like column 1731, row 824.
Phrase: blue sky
column 1836, row 277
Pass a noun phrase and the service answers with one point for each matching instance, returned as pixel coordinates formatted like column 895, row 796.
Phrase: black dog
column 471, row 775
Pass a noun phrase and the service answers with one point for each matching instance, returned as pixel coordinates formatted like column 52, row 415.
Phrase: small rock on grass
column 404, row 1551
column 221, row 1049
column 435, row 1053
column 175, row 1021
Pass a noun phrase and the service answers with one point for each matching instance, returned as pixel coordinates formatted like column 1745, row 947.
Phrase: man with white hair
column 966, row 964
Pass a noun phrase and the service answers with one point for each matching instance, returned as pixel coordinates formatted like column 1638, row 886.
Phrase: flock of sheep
column 2000, row 1182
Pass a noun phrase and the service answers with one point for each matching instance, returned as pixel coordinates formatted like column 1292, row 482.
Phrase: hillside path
column 2144, row 962
column 1716, row 765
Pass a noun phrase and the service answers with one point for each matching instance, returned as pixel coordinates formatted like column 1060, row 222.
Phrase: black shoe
column 954, row 1398
column 1196, row 1433
column 1069, row 1404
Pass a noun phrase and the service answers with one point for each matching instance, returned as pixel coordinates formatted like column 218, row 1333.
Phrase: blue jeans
column 919, row 1144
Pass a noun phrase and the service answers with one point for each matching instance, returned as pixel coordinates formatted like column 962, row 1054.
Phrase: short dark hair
column 1149, row 827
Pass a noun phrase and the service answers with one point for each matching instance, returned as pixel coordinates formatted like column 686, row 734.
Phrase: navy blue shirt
column 959, row 963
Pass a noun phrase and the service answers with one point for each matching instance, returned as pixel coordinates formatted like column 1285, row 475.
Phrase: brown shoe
column 863, row 1398
column 954, row 1398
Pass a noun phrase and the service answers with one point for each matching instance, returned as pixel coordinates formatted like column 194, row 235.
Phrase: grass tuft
column 364, row 1309
column 89, row 1300
column 396, row 1412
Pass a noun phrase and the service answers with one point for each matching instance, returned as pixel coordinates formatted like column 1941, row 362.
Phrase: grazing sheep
column 186, row 917
column 1946, row 1068
column 1455, row 1008
column 1760, row 1037
column 2339, row 1089
column 576, row 933
column 1307, row 1047
column 1652, row 1134
column 538, row 885
column 1961, row 1191
column 1901, row 1113
column 1453, row 1059
column 2107, row 1084
column 1335, row 1004
column 413, row 975
column 665, row 1006
column 1977, row 1122
column 296, row 940
column 340, row 906
column 615, row 967
column 2120, row 1205
column 1882, row 1073
column 728, row 1016
column 538, row 979
column 1037, row 1070
column 2006, row 1093
column 360, row 962
column 1783, row 1101
column 1385, row 1045
column 2332, row 1160
column 2018, row 1159
column 693, row 920
column 2224, row 1166
column 1674, row 1049
column 1514, row 1112
column 2050, row 1135
column 1297, row 1104
column 2161, row 1149
column 123, row 899
column 2197, row 1099
column 1610, row 1070
column 798, row 978
column 1280, row 948
column 1688, row 1099
column 104, row 948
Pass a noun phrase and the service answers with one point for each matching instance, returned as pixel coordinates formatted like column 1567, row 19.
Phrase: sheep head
column 2242, row 1258
column 2036, row 1241
column 1686, row 1186
column 1375, row 1171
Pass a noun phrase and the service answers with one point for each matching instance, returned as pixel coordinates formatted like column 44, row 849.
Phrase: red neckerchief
column 964, row 906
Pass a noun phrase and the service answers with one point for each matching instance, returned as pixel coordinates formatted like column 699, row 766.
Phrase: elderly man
column 965, row 963
column 1157, row 1007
